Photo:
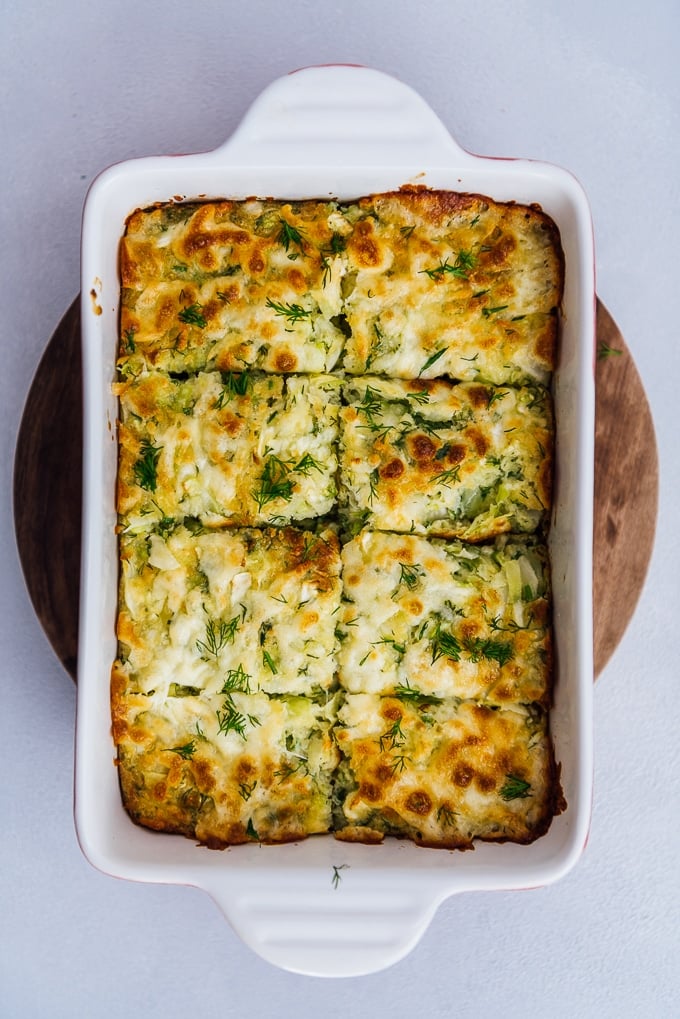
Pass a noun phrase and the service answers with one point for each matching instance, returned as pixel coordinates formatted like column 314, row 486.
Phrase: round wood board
column 48, row 468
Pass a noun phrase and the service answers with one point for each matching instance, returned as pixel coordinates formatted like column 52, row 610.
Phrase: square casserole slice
column 430, row 620
column 230, row 286
column 457, row 460
column 440, row 283
column 225, row 769
column 227, row 448
column 246, row 611
column 443, row 773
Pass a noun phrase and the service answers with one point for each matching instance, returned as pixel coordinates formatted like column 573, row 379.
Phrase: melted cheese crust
column 271, row 684
column 444, row 619
column 227, row 449
column 452, row 284
column 232, row 285
column 466, row 461
column 444, row 773
column 195, row 608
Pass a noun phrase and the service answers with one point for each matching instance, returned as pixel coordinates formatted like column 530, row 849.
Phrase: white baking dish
column 345, row 132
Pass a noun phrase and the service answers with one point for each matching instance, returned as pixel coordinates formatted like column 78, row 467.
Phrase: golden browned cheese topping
column 466, row 460
column 231, row 286
column 227, row 448
column 334, row 489
column 439, row 283
column 443, row 772
column 444, row 619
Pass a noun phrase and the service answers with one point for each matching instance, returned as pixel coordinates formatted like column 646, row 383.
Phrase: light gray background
column 591, row 86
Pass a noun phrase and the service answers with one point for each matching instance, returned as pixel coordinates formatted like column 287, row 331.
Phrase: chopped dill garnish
column 432, row 358
column 446, row 478
column 409, row 576
column 492, row 650
column 446, row 645
column 251, row 832
column 308, row 464
column 233, row 385
column 290, row 235
column 186, row 751
column 269, row 662
column 245, row 791
column 230, row 719
column 336, row 879
column 446, row 816
column 406, row 692
column 216, row 636
column 373, row 479
column 464, row 261
column 515, row 788
column 236, row 679
column 291, row 312
column 604, row 351
column 193, row 315
column 399, row 763
column 145, row 469
column 274, row 482
column 393, row 737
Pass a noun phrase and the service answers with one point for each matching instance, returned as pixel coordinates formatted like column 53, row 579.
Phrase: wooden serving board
column 48, row 468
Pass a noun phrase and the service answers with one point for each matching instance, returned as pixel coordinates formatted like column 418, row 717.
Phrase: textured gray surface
column 85, row 85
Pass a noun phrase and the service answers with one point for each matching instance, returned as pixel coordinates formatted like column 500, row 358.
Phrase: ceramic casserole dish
column 341, row 132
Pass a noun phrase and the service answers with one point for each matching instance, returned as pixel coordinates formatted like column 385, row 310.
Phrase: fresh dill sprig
column 400, row 649
column 230, row 719
column 217, row 635
column 251, row 832
column 398, row 763
column 236, row 680
column 193, row 315
column 446, row 816
column 393, row 737
column 290, row 235
column 335, row 880
column 432, row 358
column 464, row 261
column 291, row 312
column 420, row 396
column 145, row 469
column 269, row 662
column 308, row 464
column 445, row 645
column 406, row 692
column 446, row 478
column 604, row 351
column 185, row 752
column 515, row 788
column 233, row 385
column 370, row 406
column 373, row 479
column 492, row 650
column 245, row 791
column 274, row 482
column 409, row 576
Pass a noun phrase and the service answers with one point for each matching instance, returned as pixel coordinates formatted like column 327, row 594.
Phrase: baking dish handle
column 336, row 928
column 340, row 115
